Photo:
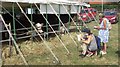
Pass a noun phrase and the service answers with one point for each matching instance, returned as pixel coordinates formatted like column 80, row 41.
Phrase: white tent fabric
column 46, row 1
column 54, row 4
column 56, row 8
column 36, row 1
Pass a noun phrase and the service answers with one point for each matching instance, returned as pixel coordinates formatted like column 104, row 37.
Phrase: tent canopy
column 42, row 4
column 36, row 1
column 49, row 1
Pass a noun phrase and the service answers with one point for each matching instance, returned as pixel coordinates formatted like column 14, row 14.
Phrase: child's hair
column 87, row 30
column 101, row 15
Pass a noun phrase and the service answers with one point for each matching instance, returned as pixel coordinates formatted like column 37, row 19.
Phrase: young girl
column 88, row 43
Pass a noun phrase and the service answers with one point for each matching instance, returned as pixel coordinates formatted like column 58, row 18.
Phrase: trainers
column 103, row 53
column 82, row 56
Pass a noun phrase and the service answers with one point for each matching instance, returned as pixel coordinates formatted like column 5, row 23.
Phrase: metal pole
column 14, row 36
column 1, row 29
column 62, row 24
column 46, row 24
column 23, row 58
column 38, row 33
column 32, row 22
column 69, row 18
column 59, row 16
column 13, row 9
column 102, row 6
column 77, row 18
column 80, row 17
column 53, row 30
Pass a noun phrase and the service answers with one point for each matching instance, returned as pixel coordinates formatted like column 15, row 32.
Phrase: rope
column 87, row 15
column 79, row 16
column 70, row 17
column 91, row 14
column 16, row 20
column 14, row 41
column 93, row 17
column 62, row 23
column 53, row 29
column 38, row 33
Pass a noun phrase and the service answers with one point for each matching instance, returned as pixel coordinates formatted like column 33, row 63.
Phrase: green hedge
column 105, row 6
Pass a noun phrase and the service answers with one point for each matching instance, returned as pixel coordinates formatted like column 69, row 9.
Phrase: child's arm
column 87, row 41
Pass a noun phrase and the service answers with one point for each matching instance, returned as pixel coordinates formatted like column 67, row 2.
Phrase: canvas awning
column 54, row 3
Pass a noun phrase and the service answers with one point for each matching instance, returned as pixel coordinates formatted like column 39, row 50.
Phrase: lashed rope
column 23, row 58
column 62, row 24
column 38, row 33
column 16, row 20
column 71, row 17
column 53, row 30
column 79, row 16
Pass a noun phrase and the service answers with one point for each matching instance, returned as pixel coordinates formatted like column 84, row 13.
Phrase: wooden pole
column 10, row 42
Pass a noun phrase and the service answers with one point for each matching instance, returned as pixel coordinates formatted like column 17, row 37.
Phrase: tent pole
column 31, row 17
column 69, row 18
column 46, row 23
column 13, row 10
column 77, row 18
column 59, row 16
column 63, row 24
column 80, row 16
column 80, row 22
column 38, row 33
column 53, row 30
column 10, row 42
column 15, row 44
column 1, row 29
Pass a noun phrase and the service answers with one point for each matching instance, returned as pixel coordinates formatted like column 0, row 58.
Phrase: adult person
column 103, row 33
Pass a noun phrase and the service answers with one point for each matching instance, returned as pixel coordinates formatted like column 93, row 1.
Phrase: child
column 88, row 43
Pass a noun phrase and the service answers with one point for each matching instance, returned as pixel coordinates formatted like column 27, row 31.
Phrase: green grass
column 36, row 53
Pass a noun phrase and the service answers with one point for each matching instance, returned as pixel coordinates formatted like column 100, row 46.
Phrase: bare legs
column 84, row 48
column 104, row 47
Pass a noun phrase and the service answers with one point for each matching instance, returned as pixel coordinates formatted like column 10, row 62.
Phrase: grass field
column 36, row 53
